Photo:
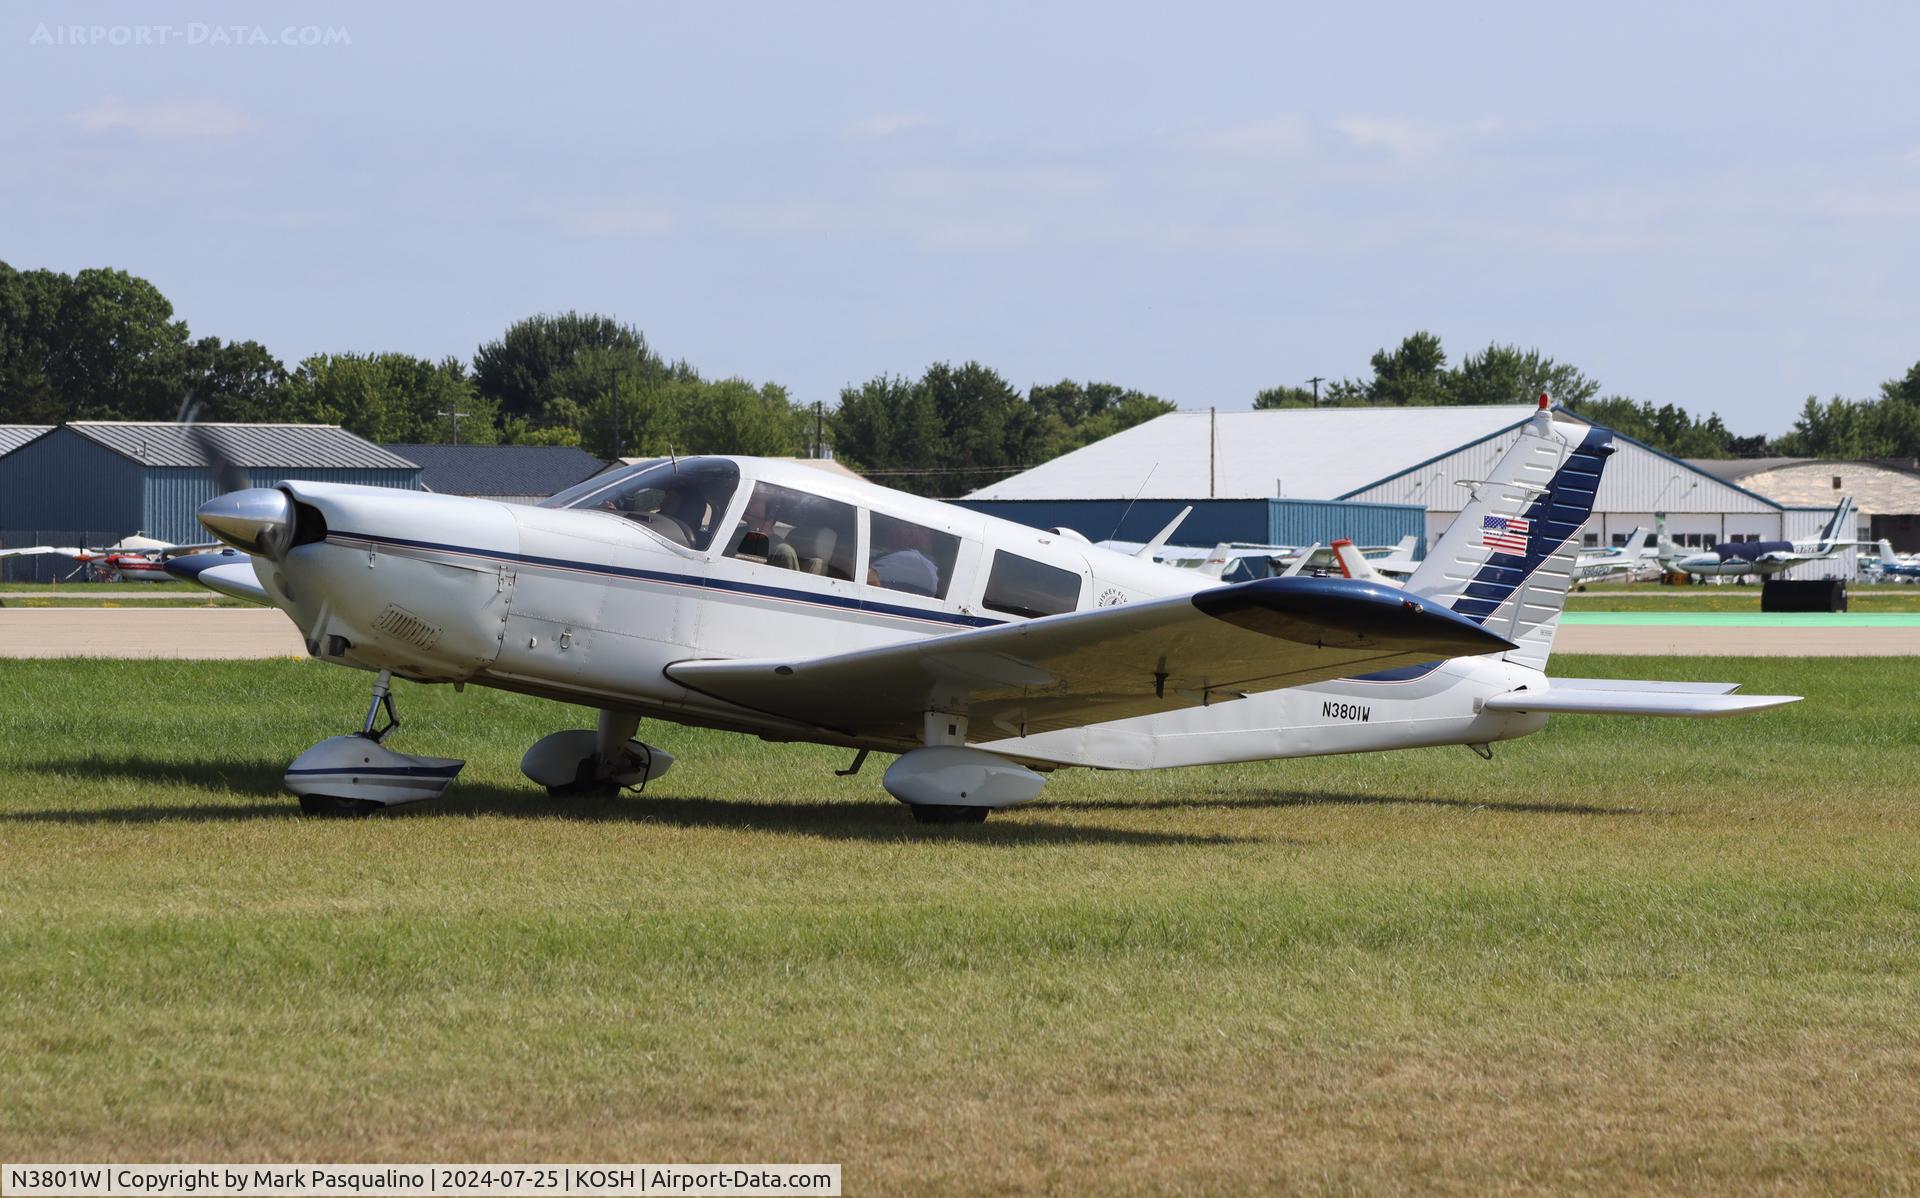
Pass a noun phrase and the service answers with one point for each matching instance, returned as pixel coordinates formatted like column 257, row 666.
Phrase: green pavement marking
column 1743, row 619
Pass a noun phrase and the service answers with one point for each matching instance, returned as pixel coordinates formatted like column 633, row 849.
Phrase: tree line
column 104, row 344
column 1416, row 373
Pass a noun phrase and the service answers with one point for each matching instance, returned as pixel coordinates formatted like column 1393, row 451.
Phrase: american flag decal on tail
column 1506, row 534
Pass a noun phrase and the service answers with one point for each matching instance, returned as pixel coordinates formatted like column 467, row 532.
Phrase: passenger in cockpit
column 760, row 533
column 906, row 565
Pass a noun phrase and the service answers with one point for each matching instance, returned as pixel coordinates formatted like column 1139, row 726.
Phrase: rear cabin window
column 1021, row 586
column 904, row 556
column 796, row 531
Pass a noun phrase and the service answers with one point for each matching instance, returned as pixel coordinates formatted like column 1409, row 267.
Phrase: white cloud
column 164, row 120
column 1401, row 138
column 1275, row 137
column 888, row 124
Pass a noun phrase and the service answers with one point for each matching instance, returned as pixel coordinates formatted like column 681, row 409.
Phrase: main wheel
column 939, row 813
column 330, row 805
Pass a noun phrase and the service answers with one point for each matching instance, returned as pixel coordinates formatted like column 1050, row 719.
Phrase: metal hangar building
column 94, row 482
column 1362, row 465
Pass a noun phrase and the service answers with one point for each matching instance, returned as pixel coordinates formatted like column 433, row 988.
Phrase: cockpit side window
column 796, row 531
column 1021, row 586
column 904, row 556
column 683, row 502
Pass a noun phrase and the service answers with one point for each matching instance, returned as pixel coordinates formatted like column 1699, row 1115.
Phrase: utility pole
column 455, row 417
column 613, row 405
column 1213, row 442
column 1316, row 380
column 819, row 430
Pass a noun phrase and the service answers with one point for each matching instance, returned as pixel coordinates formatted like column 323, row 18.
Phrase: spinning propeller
column 257, row 520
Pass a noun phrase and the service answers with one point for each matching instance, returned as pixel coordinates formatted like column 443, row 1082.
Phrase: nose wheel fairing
column 356, row 769
column 357, row 774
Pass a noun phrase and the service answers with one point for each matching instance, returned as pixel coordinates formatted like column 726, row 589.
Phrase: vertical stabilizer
column 1665, row 550
column 1840, row 528
column 1508, row 559
column 1354, row 564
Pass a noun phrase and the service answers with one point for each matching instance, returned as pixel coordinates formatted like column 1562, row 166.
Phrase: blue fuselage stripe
column 670, row 578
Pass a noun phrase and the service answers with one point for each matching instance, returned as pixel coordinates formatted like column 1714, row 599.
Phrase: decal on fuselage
column 1331, row 710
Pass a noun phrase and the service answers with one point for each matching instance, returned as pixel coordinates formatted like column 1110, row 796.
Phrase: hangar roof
column 1878, row 488
column 13, row 436
column 1305, row 453
column 1735, row 469
column 500, row 469
column 276, row 446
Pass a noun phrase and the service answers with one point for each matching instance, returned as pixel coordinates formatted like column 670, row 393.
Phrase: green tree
column 889, row 423
column 1415, row 374
column 1284, row 397
column 732, row 416
column 1507, row 374
column 1075, row 414
column 99, row 344
column 391, row 398
column 237, row 381
column 520, row 369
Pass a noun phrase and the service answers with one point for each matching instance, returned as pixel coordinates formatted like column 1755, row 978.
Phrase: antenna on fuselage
column 1128, row 510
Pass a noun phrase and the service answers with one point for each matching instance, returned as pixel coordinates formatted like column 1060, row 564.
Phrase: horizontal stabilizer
column 1642, row 684
column 1578, row 701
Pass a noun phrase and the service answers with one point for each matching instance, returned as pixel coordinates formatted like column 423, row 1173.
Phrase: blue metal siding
column 1253, row 521
column 174, row 493
column 63, row 481
column 1304, row 521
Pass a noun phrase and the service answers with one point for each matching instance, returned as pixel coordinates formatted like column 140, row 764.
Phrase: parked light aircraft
column 1605, row 561
column 765, row 597
column 1737, row 559
column 131, row 559
column 1225, row 559
column 1892, row 565
column 1589, row 564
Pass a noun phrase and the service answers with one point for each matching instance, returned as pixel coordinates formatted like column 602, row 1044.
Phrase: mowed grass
column 1624, row 955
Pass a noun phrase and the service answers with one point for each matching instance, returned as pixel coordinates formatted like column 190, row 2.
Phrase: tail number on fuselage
column 1344, row 711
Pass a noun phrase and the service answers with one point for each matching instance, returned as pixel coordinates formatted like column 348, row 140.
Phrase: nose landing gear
column 358, row 775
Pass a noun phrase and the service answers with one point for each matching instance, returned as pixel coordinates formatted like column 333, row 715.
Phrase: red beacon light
column 1543, row 401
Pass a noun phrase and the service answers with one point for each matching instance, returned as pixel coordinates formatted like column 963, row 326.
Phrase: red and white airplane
column 130, row 559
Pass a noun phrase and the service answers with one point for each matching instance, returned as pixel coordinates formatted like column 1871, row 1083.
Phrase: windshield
column 681, row 501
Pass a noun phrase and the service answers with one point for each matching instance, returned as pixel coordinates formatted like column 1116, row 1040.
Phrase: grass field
column 1861, row 597
column 1623, row 956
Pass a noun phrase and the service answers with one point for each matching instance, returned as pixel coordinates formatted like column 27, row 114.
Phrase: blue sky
column 1715, row 206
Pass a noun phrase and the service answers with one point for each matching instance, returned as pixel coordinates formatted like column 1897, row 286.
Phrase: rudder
column 1507, row 561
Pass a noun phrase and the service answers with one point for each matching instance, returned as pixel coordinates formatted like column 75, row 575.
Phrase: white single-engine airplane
column 768, row 598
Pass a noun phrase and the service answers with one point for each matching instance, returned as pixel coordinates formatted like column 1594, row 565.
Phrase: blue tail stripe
column 1554, row 518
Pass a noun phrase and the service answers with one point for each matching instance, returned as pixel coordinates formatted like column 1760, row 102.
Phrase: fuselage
column 1740, row 558
column 590, row 600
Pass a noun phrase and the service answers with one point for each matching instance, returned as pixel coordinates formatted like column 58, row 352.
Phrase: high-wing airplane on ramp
column 768, row 598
